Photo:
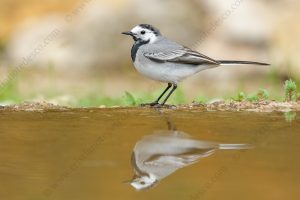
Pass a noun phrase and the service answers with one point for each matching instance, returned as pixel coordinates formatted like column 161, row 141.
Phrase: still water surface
column 91, row 154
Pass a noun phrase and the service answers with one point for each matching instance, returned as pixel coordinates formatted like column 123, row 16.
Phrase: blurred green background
column 72, row 53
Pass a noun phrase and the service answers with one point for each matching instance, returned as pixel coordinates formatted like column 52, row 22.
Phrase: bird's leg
column 173, row 89
column 162, row 94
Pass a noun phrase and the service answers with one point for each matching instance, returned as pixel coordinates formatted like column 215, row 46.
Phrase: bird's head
column 144, row 33
column 143, row 182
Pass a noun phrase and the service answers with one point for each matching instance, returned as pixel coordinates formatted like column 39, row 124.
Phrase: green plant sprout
column 263, row 94
column 260, row 95
column 241, row 96
column 290, row 89
column 9, row 90
column 129, row 99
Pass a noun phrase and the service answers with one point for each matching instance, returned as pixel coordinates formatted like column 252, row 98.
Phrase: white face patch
column 144, row 182
column 144, row 34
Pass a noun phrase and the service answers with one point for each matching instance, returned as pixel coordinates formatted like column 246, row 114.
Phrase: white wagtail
column 161, row 59
column 159, row 155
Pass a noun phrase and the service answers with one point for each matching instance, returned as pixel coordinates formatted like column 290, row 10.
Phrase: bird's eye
column 143, row 32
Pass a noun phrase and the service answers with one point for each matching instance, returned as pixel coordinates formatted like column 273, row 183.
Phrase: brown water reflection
column 85, row 154
column 160, row 154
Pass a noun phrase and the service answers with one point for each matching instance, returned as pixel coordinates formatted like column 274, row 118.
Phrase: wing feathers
column 183, row 55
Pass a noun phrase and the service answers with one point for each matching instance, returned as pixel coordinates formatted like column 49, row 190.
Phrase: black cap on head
column 151, row 28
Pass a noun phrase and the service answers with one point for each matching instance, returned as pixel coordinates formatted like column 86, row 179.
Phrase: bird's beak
column 133, row 35
column 127, row 182
column 132, row 179
column 128, row 33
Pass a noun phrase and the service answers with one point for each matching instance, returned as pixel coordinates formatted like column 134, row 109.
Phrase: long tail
column 236, row 62
column 235, row 146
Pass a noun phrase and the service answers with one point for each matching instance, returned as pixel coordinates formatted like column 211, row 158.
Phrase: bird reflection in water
column 160, row 154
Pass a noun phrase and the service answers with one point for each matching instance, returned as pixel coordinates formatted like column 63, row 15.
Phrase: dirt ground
column 260, row 106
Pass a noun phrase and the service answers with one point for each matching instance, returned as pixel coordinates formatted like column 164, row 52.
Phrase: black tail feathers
column 236, row 62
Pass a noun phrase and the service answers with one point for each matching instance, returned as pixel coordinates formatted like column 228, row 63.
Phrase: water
column 87, row 154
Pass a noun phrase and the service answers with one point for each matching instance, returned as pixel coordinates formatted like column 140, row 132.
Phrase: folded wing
column 181, row 55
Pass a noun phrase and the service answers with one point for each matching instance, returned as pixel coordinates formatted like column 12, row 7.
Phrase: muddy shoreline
column 260, row 106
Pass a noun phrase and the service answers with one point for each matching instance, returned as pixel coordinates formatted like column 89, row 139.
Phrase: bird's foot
column 158, row 105
column 153, row 105
column 168, row 106
column 150, row 104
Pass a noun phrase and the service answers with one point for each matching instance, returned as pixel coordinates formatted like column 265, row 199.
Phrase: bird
column 161, row 59
column 160, row 154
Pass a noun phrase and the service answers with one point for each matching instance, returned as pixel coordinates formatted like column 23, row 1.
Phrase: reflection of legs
column 162, row 94
column 173, row 89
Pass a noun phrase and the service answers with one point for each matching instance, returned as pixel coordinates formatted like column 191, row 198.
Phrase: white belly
column 167, row 72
